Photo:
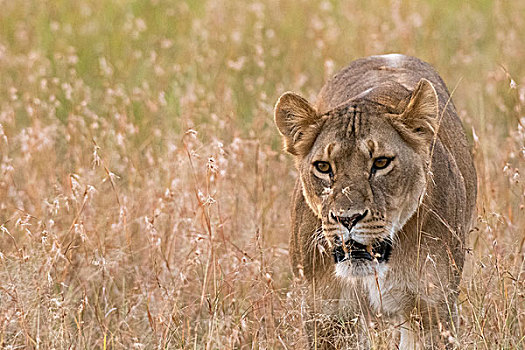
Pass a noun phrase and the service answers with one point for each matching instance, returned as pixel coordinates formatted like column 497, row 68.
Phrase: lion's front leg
column 429, row 327
column 429, row 339
column 337, row 332
column 338, row 319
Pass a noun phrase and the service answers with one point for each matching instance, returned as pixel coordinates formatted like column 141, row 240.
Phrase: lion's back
column 368, row 73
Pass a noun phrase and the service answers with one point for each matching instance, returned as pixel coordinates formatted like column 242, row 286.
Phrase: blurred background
column 144, row 197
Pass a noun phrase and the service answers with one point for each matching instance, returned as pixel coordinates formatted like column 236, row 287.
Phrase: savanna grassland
column 143, row 193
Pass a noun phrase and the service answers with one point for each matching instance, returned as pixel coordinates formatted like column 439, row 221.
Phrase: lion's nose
column 349, row 221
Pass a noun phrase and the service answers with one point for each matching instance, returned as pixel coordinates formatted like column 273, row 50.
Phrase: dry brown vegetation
column 143, row 194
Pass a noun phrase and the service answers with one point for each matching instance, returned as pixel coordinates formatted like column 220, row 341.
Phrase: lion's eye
column 381, row 163
column 323, row 167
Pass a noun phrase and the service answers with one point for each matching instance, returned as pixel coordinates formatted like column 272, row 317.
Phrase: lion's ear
column 421, row 114
column 297, row 121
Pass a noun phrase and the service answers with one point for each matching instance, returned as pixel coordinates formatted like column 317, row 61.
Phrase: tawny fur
column 382, row 106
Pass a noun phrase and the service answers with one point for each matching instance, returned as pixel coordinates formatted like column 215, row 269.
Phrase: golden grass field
column 144, row 197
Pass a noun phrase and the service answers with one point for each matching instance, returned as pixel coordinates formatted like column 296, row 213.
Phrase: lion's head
column 363, row 167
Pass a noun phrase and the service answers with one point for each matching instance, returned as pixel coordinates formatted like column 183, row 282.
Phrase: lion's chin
column 351, row 269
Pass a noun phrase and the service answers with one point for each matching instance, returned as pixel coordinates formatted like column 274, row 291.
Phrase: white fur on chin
column 351, row 270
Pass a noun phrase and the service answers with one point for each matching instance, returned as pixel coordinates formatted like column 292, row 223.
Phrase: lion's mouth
column 380, row 250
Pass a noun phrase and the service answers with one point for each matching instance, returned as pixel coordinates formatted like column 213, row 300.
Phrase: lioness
column 384, row 200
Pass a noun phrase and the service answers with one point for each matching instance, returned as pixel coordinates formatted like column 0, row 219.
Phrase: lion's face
column 363, row 182
column 362, row 171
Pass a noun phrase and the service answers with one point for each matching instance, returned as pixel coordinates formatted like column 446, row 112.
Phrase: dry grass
column 143, row 195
